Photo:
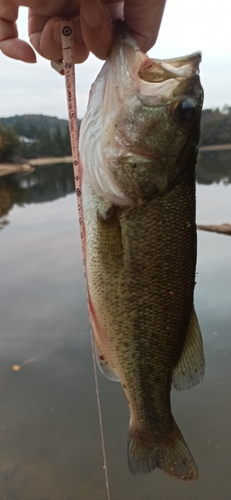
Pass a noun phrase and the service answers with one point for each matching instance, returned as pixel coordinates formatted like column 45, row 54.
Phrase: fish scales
column 140, row 238
column 142, row 336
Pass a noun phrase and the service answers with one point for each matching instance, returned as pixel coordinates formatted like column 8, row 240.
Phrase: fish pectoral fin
column 103, row 365
column 171, row 454
column 190, row 368
column 110, row 231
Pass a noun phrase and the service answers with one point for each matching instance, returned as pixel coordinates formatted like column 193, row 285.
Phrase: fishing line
column 67, row 68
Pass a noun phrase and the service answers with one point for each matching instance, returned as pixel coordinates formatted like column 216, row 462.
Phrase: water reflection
column 56, row 181
column 214, row 166
column 43, row 184
column 49, row 442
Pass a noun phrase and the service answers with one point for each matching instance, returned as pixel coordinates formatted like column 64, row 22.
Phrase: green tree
column 9, row 144
column 216, row 126
column 57, row 140
column 66, row 142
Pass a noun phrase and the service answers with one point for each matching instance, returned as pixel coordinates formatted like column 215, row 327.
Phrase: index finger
column 10, row 44
column 143, row 20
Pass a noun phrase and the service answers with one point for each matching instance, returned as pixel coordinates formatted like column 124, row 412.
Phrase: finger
column 41, row 36
column 10, row 45
column 144, row 22
column 97, row 29
column 49, row 8
column 18, row 49
column 45, row 36
column 115, row 8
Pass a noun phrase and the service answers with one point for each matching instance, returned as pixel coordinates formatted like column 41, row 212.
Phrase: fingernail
column 92, row 12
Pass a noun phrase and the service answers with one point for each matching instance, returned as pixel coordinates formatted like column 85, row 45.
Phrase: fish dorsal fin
column 103, row 365
column 191, row 365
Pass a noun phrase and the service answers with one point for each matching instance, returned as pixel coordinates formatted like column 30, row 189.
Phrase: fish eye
column 184, row 111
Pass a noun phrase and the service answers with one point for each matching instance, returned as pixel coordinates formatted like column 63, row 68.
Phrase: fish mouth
column 156, row 70
column 157, row 78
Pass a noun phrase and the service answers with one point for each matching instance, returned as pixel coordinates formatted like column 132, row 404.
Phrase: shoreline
column 215, row 147
column 27, row 166
column 13, row 168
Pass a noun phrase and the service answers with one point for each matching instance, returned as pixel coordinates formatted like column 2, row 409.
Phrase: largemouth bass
column 138, row 146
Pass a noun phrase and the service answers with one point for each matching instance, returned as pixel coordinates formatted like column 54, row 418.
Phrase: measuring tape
column 66, row 67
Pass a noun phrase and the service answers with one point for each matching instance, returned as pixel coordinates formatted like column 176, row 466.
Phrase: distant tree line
column 34, row 136
column 47, row 143
column 216, row 126
column 9, row 144
column 30, row 125
column 49, row 136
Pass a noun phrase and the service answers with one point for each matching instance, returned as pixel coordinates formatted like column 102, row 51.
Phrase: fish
column 138, row 148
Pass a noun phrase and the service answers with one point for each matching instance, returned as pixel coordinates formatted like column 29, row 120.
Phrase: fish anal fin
column 104, row 366
column 171, row 454
column 190, row 368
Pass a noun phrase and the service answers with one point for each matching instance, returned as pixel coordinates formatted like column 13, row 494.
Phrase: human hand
column 93, row 28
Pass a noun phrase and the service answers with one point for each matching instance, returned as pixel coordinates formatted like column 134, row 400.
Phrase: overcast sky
column 188, row 25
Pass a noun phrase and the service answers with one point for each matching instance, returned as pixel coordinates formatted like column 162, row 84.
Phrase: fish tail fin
column 171, row 454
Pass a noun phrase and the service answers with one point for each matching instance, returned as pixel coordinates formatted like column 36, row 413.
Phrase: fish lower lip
column 145, row 158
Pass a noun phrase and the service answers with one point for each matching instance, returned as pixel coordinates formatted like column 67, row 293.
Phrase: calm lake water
column 50, row 447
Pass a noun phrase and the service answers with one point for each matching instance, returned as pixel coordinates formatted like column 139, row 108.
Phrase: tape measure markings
column 66, row 66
